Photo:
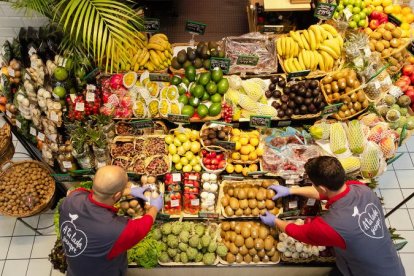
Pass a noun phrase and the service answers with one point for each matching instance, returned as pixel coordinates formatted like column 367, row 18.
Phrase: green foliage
column 146, row 252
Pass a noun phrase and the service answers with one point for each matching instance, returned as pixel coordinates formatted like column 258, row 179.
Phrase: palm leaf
column 44, row 7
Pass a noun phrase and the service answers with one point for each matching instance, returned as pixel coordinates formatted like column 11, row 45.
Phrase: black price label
column 324, row 10
column 410, row 47
column 194, row 27
column 226, row 145
column 159, row 77
column 163, row 216
column 151, row 25
column 63, row 177
column 209, row 215
column 142, row 124
column 272, row 28
column 178, row 118
column 284, row 123
column 247, row 60
column 223, row 63
column 83, row 172
column 233, row 177
column 257, row 173
column 297, row 74
column 394, row 20
column 331, row 109
column 260, row 121
column 133, row 175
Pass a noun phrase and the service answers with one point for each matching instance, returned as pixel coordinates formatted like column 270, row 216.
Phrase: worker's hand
column 138, row 192
column 157, row 202
column 268, row 219
column 281, row 191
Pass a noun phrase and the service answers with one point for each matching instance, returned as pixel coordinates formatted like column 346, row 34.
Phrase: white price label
column 377, row 85
column 72, row 97
column 348, row 13
column 80, row 107
column 175, row 203
column 9, row 114
column 90, row 96
column 367, row 52
column 52, row 137
column 18, row 124
column 192, row 177
column 176, row 177
column 32, row 51
column 290, row 181
column 359, row 62
column 67, row 164
column 311, row 202
column 41, row 136
column 195, row 202
column 90, row 87
column 54, row 117
column 387, row 81
column 33, row 131
column 55, row 96
column 11, row 72
column 293, row 204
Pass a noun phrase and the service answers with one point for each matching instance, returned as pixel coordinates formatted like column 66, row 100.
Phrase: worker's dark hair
column 326, row 171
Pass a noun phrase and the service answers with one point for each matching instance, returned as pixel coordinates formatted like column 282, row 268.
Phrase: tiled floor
column 24, row 253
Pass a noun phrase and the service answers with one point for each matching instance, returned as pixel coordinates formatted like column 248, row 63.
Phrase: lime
column 204, row 78
column 183, row 99
column 185, row 81
column 211, row 87
column 176, row 80
column 60, row 74
column 216, row 74
column 194, row 101
column 60, row 91
column 216, row 98
column 190, row 73
column 187, row 110
column 206, row 97
column 222, row 86
column 202, row 110
column 198, row 91
column 181, row 89
column 215, row 109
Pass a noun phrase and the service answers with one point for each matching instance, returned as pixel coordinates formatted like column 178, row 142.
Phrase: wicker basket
column 50, row 193
column 216, row 149
column 6, row 144
column 208, row 125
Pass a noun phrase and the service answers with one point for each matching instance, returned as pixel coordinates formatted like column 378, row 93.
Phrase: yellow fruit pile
column 318, row 47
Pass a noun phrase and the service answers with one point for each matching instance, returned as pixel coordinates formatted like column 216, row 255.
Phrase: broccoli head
column 191, row 253
column 183, row 257
column 209, row 258
column 222, row 250
column 164, row 258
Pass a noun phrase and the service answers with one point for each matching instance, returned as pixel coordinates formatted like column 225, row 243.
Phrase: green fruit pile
column 198, row 57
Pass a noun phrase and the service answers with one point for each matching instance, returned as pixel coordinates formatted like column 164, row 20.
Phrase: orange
column 388, row 9
column 397, row 9
column 406, row 10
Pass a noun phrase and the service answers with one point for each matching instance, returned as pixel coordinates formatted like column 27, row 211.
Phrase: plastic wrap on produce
column 251, row 53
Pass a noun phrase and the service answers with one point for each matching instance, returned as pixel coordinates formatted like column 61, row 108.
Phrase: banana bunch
column 153, row 55
column 318, row 47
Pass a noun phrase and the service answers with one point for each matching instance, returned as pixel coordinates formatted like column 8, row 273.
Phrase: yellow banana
column 301, row 60
column 318, row 34
column 283, row 43
column 330, row 29
column 161, row 55
column 141, row 36
column 312, row 39
column 135, row 58
column 340, row 41
column 136, row 67
column 162, row 36
column 333, row 44
column 150, row 66
column 306, row 60
column 297, row 64
column 327, row 60
column 154, row 58
column 288, row 47
column 287, row 66
column 297, row 38
column 144, row 59
column 306, row 35
column 329, row 50
column 304, row 41
column 321, row 64
column 155, row 46
column 279, row 47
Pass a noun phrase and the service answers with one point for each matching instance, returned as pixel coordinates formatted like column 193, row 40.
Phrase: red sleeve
column 317, row 232
column 354, row 182
column 135, row 231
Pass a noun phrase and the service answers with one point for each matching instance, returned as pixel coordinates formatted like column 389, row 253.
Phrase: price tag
column 410, row 47
column 176, row 177
column 80, row 107
column 32, row 51
column 41, row 136
column 142, row 124
column 395, row 91
column 33, row 131
column 72, row 97
column 226, row 145
column 67, row 164
column 283, row 123
column 260, row 121
column 90, row 96
column 298, row 74
column 348, row 13
column 9, row 114
column 377, row 85
column 272, row 28
column 152, row 25
column 192, row 177
column 62, row 177
column 223, row 63
column 324, row 10
column 233, row 177
column 11, row 72
column 204, row 214
column 247, row 60
column 55, row 96
column 175, row 203
column 18, row 124
column 195, row 202
column 311, row 202
column 194, row 27
column 159, row 77
column 367, row 51
column 394, row 20
column 178, row 118
column 54, row 117
column 293, row 204
column 331, row 109
column 257, row 173
column 359, row 62
column 90, row 87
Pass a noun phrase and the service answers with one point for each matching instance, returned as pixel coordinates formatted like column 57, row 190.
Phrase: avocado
column 212, row 45
column 221, row 54
column 206, row 64
column 199, row 48
column 181, row 56
column 191, row 55
column 198, row 63
column 205, row 53
column 187, row 63
column 175, row 64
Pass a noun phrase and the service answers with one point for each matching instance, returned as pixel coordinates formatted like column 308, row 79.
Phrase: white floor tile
column 14, row 138
column 7, row 225
column 15, row 268
column 407, row 193
column 1, row 265
column 403, row 163
column 42, row 246
column 388, row 180
column 23, row 230
column 46, row 220
column 392, row 197
column 20, row 247
column 403, row 148
column 390, row 167
column 407, row 261
column 4, row 247
column 400, row 220
column 39, row 267
column 406, row 179
column 409, row 236
column 20, row 148
column 56, row 272
column 410, row 144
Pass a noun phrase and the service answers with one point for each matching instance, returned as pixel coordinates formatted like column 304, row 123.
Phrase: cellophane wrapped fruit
column 355, row 137
column 350, row 164
column 338, row 141
column 370, row 160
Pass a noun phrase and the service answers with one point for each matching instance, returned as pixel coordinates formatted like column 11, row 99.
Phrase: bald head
column 109, row 180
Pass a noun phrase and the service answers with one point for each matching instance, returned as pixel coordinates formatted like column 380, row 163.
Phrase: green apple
column 356, row 10
column 362, row 23
column 363, row 15
column 340, row 7
column 353, row 24
column 355, row 18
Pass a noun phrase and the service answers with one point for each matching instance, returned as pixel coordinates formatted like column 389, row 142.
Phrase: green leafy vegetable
column 146, row 252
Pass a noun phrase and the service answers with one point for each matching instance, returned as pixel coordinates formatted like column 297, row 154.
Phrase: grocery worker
column 94, row 237
column 354, row 223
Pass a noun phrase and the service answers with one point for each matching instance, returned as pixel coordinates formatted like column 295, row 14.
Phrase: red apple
column 214, row 162
column 373, row 24
column 412, row 79
column 206, row 161
column 408, row 70
column 221, row 164
column 375, row 15
column 410, row 93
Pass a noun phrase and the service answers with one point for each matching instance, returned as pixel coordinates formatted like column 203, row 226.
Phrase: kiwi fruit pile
column 211, row 135
column 385, row 39
column 198, row 57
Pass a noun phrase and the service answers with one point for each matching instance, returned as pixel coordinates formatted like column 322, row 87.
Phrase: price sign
column 159, row 77
column 324, row 10
column 260, row 121
column 272, row 28
column 185, row 119
column 311, row 202
column 18, row 124
column 41, row 136
column 226, row 145
column 67, row 164
column 298, row 74
column 90, row 87
column 194, row 27
column 192, row 177
column 72, row 97
column 410, row 47
column 152, row 25
column 176, row 177
column 161, row 216
column 223, row 63
column 394, row 20
column 284, row 123
column 90, row 96
column 195, row 202
column 80, row 107
column 142, row 124
column 348, row 14
column 331, row 109
column 233, row 177
column 33, row 131
column 209, row 215
column 247, row 60
column 175, row 203
column 32, row 51
column 257, row 173
column 63, row 177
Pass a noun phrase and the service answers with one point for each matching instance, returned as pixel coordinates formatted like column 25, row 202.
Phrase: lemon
column 194, row 135
column 178, row 166
column 189, row 155
column 245, row 171
column 176, row 157
column 253, row 168
column 229, row 168
column 129, row 79
column 253, row 156
column 244, row 141
column 197, row 168
column 163, row 108
column 235, row 132
column 172, row 92
column 169, row 139
column 187, row 168
column 182, row 137
column 181, row 151
column 405, row 26
column 193, row 161
column 245, row 150
column 238, row 168
column 259, row 151
column 184, row 161
column 235, row 156
column 177, row 142
column 254, row 141
column 244, row 157
column 406, row 10
column 195, row 147
column 187, row 145
column 235, row 138
column 238, row 145
column 397, row 9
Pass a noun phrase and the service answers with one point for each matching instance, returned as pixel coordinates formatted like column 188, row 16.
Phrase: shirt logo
column 370, row 221
column 74, row 240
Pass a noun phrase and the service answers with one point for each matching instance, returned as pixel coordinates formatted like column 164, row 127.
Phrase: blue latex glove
column 268, row 219
column 281, row 191
column 138, row 192
column 157, row 202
